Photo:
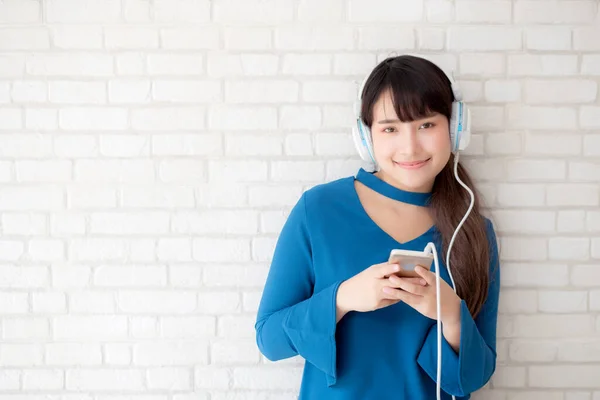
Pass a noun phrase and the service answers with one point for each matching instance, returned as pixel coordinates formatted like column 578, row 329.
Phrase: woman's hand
column 423, row 298
column 364, row 291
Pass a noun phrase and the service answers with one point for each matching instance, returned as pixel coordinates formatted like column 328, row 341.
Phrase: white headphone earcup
column 460, row 126
column 362, row 141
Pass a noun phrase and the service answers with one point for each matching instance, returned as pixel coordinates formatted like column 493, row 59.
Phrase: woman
column 332, row 297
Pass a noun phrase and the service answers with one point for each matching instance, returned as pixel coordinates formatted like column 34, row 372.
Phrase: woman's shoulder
column 328, row 192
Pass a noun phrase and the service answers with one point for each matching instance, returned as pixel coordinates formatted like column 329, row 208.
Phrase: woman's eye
column 389, row 129
column 427, row 125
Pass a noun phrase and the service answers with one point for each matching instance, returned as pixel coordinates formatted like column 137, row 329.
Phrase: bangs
column 415, row 93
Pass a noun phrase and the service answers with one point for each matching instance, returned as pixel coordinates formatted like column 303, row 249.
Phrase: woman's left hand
column 423, row 298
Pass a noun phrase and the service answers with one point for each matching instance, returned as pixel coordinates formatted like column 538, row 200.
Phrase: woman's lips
column 412, row 164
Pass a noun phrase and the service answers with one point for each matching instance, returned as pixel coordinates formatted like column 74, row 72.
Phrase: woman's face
column 409, row 154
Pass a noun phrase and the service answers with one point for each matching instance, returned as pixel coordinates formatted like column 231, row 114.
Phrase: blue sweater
column 390, row 353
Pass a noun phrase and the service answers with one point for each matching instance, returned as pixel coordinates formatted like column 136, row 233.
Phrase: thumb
column 426, row 274
column 386, row 269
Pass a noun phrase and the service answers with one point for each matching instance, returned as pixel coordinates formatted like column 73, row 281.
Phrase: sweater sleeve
column 292, row 319
column 473, row 366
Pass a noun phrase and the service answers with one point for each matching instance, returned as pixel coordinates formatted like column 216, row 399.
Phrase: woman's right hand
column 364, row 291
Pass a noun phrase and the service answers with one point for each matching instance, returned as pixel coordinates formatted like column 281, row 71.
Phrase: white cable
column 431, row 248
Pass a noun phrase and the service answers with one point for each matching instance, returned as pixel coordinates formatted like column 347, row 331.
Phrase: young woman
column 332, row 297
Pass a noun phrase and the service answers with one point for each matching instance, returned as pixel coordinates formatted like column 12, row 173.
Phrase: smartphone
column 408, row 260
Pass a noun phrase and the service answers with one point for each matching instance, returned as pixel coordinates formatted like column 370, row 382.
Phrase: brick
column 563, row 248
column 586, row 39
column 182, row 171
column 440, row 10
column 263, row 249
column 130, row 223
column 93, row 118
column 137, row 11
column 105, row 379
column 236, row 327
column 67, row 65
column 591, row 145
column 65, row 276
column 235, row 276
column 110, row 327
column 25, row 223
column 156, row 302
column 20, row 12
column 524, row 350
column 270, row 196
column 272, row 91
column 588, row 117
column 221, row 250
column 31, row 328
column 43, row 380
column 432, row 39
column 187, row 38
column 176, row 64
column 542, row 65
column 169, row 118
column 313, row 11
column 490, row 12
column 255, row 378
column 573, row 194
column 592, row 221
column 67, row 223
column 157, row 197
column 334, row 144
column 136, row 276
column 31, row 198
column 584, row 172
column 174, row 249
column 237, row 171
column 563, row 301
column 12, row 250
column 222, row 194
column 384, row 38
column 158, row 354
column 12, row 66
column 14, row 303
column 564, row 376
column 97, row 249
column 509, row 377
column 169, row 378
column 130, row 38
column 535, row 275
column 487, row 118
column 570, row 221
column 269, row 11
column 566, row 91
column 193, row 144
column 579, row 11
column 29, row 92
column 384, row 11
column 535, row 170
column 124, row 92
column 503, row 143
column 215, row 221
column 297, row 171
column 578, row 350
column 187, row 91
column 186, row 275
column 46, row 250
column 44, row 171
column 92, row 303
column 585, row 275
column 327, row 91
column 502, row 91
column 88, row 196
column 548, row 38
column 484, row 38
column 182, row 11
column 590, row 64
column 234, row 352
column 542, row 118
column 10, row 119
column 77, row 37
column 248, row 38
column 488, row 64
column 30, row 38
column 553, row 326
column 222, row 64
column 242, row 117
column 253, row 145
column 516, row 301
column 212, row 377
column 188, row 327
column 523, row 249
column 72, row 92
column 25, row 355
column 314, row 38
column 553, row 144
column 132, row 171
column 529, row 221
column 300, row 117
column 117, row 354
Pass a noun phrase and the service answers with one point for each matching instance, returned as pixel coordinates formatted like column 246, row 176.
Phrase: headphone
column 459, row 124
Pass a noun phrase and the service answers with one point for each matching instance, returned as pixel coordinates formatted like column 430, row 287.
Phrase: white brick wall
column 150, row 152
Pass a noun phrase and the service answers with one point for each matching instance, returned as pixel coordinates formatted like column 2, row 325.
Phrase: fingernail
column 397, row 268
column 387, row 290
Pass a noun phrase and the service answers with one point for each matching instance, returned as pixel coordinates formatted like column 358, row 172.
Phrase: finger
column 397, row 294
column 405, row 284
column 417, row 281
column 385, row 269
column 425, row 274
